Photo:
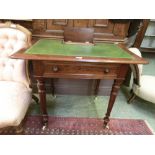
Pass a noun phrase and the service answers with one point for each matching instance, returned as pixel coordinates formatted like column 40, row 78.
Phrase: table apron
column 74, row 70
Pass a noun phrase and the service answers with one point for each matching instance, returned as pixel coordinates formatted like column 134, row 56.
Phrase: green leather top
column 57, row 47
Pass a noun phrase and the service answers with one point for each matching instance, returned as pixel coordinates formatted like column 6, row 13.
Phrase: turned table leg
column 115, row 88
column 53, row 88
column 42, row 96
column 96, row 87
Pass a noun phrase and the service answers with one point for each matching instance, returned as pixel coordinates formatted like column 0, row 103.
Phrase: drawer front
column 80, row 70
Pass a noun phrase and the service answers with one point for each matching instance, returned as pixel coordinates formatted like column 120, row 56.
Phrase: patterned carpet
column 82, row 126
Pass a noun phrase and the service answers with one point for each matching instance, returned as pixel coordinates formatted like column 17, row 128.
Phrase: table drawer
column 80, row 70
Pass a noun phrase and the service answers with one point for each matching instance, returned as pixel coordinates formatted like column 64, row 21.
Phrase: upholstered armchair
column 15, row 92
column 143, row 85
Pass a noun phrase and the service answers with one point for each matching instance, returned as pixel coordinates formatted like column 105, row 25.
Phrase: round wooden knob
column 106, row 70
column 55, row 68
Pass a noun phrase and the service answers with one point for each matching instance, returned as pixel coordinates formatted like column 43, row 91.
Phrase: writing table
column 57, row 59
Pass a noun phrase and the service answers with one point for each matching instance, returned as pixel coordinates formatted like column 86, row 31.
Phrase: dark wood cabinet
column 104, row 30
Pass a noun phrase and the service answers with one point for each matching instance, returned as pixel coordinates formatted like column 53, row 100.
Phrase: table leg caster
column 105, row 126
column 44, row 126
column 45, row 121
column 105, row 123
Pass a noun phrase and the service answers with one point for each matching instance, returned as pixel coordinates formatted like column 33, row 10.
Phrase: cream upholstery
column 11, row 41
column 15, row 98
column 13, row 70
column 145, row 87
column 146, row 90
column 15, row 94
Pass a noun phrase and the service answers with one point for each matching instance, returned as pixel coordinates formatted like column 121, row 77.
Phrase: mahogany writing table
column 57, row 59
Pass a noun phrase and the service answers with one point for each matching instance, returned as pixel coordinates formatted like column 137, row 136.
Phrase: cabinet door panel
column 101, row 22
column 56, row 24
column 81, row 22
